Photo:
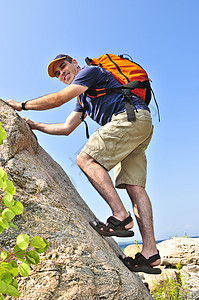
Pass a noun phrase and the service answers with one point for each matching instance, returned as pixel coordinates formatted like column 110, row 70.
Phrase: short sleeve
column 88, row 76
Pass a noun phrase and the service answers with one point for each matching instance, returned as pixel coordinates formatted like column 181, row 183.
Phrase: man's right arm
column 66, row 128
column 51, row 100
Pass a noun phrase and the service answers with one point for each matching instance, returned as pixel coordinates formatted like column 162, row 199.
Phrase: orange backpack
column 126, row 72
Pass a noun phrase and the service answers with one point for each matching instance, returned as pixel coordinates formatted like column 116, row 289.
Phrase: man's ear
column 75, row 62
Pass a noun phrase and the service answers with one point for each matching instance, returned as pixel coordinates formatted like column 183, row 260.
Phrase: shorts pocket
column 111, row 135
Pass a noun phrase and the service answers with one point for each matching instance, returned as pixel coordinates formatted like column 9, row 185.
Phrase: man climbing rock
column 118, row 143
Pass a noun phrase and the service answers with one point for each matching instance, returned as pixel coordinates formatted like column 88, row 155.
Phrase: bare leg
column 102, row 182
column 143, row 213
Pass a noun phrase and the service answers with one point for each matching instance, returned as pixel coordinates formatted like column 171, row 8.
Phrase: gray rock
column 181, row 250
column 79, row 264
column 185, row 251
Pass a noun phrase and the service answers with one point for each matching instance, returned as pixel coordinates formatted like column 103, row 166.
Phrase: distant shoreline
column 123, row 245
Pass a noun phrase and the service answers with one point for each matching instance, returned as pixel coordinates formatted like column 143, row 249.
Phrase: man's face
column 66, row 71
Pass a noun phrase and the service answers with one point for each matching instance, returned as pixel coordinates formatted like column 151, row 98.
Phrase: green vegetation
column 170, row 288
column 17, row 261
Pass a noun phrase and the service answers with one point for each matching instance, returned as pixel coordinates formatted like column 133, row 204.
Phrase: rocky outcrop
column 183, row 251
column 79, row 264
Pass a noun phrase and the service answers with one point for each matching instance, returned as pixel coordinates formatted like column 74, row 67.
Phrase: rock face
column 79, row 264
column 177, row 250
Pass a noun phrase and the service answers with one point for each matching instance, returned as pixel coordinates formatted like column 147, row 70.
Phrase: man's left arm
column 51, row 100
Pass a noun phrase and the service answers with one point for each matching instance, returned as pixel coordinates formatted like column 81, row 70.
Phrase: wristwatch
column 23, row 105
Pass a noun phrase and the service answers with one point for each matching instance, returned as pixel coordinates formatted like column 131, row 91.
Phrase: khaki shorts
column 121, row 145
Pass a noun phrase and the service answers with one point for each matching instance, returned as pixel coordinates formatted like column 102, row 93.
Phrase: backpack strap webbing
column 129, row 105
column 94, row 93
column 83, row 114
column 156, row 103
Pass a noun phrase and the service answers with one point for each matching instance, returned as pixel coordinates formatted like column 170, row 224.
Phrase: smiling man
column 118, row 144
column 65, row 70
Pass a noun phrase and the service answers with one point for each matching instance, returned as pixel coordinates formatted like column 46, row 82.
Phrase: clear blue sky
column 160, row 35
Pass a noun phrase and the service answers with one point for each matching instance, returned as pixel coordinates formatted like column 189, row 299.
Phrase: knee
column 83, row 159
column 79, row 159
column 135, row 189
